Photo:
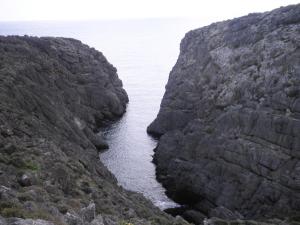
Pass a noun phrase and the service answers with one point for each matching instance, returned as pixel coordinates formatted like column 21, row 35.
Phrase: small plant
column 12, row 212
column 3, row 159
column 209, row 130
column 10, row 209
column 38, row 214
column 19, row 162
column 24, row 197
column 31, row 165
column 125, row 223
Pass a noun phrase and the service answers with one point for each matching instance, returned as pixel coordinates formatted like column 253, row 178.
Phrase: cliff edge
column 229, row 122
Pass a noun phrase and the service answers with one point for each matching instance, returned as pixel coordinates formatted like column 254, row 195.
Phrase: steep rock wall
column 229, row 122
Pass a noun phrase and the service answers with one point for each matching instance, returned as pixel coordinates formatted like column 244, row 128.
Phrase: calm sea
column 144, row 52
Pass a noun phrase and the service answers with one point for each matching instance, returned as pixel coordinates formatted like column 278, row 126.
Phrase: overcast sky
column 19, row 10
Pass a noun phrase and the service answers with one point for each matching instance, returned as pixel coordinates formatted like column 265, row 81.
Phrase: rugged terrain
column 229, row 122
column 55, row 94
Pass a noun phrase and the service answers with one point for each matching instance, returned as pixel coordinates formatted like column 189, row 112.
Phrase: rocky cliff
column 55, row 94
column 229, row 122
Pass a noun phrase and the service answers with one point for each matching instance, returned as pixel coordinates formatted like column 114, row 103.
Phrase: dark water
column 144, row 52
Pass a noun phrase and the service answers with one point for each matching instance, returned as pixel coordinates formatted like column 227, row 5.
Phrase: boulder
column 25, row 180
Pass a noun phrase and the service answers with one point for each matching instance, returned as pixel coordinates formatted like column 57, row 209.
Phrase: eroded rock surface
column 55, row 93
column 229, row 122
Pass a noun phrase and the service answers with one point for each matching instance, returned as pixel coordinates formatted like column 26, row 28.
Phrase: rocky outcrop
column 55, row 94
column 229, row 122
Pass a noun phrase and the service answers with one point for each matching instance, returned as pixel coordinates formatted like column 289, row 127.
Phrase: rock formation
column 55, row 94
column 229, row 122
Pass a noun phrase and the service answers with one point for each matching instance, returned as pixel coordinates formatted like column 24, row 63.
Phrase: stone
column 25, row 180
column 98, row 220
column 194, row 216
column 88, row 213
column 97, row 139
column 18, row 221
column 2, row 221
column 73, row 219
column 224, row 213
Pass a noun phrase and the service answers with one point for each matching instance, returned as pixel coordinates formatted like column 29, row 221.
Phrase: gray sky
column 210, row 10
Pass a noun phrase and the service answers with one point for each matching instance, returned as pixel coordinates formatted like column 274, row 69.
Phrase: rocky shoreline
column 55, row 94
column 229, row 121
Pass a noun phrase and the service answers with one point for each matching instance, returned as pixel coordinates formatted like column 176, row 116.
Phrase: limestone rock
column 229, row 121
column 88, row 213
column 18, row 221
column 25, row 180
column 98, row 221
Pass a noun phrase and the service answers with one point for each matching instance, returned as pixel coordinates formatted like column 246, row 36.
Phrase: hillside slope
column 55, row 93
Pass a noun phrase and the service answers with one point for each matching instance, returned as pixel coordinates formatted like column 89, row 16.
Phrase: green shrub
column 125, row 223
column 31, row 165
column 12, row 212
column 9, row 209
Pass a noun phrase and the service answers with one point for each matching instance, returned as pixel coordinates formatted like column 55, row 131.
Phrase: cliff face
column 54, row 95
column 230, row 119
